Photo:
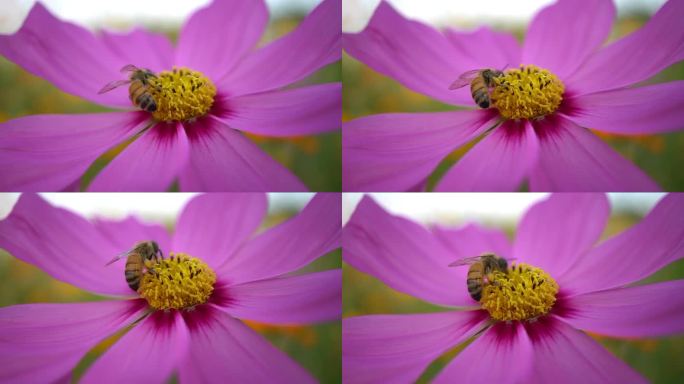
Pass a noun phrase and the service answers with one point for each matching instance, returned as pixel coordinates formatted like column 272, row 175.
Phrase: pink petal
column 52, row 49
column 42, row 343
column 556, row 232
column 397, row 348
column 572, row 158
column 397, row 152
column 657, row 45
column 498, row 163
column 402, row 254
column 643, row 311
column 302, row 111
column 415, row 54
column 564, row 34
column 125, row 233
column 150, row 163
column 215, row 38
column 51, row 152
column 472, row 240
column 634, row 254
column 224, row 350
column 222, row 159
column 64, row 245
column 309, row 298
column 565, row 355
column 213, row 226
column 286, row 247
column 142, row 48
column 644, row 110
column 148, row 353
column 507, row 350
column 315, row 43
column 502, row 50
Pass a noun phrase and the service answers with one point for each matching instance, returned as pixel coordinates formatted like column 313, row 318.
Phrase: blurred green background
column 316, row 160
column 367, row 92
column 316, row 347
column 657, row 359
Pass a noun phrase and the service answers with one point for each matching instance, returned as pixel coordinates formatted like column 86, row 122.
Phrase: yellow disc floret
column 181, row 94
column 522, row 293
column 527, row 93
column 178, row 282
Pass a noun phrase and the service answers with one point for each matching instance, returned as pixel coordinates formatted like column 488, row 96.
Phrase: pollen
column 178, row 282
column 527, row 93
column 181, row 94
column 523, row 292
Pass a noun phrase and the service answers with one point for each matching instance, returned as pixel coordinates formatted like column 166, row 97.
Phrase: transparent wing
column 464, row 79
column 119, row 257
column 129, row 68
column 112, row 85
column 465, row 261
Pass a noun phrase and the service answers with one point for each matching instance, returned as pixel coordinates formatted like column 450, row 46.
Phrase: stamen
column 523, row 292
column 181, row 94
column 179, row 282
column 527, row 93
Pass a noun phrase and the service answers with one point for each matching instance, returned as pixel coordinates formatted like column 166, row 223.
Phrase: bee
column 139, row 88
column 480, row 267
column 481, row 81
column 135, row 262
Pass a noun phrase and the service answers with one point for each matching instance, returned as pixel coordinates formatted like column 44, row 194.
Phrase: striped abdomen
column 474, row 281
column 140, row 96
column 480, row 91
column 134, row 271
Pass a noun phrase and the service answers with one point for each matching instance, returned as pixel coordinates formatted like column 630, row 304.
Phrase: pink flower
column 558, row 235
column 550, row 150
column 203, row 151
column 42, row 343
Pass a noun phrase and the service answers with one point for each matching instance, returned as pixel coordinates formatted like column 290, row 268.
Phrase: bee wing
column 465, row 261
column 119, row 257
column 112, row 85
column 464, row 79
column 129, row 68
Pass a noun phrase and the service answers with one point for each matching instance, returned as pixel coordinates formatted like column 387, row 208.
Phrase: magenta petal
column 148, row 353
column 415, row 54
column 224, row 350
column 402, row 254
column 309, row 298
column 642, row 311
column 556, row 232
column 315, row 43
column 471, row 240
column 563, row 355
column 149, row 164
column 502, row 50
column 125, row 233
column 565, row 33
column 42, row 343
column 142, row 48
column 51, row 152
column 213, row 226
column 64, row 245
column 397, row 152
column 52, row 49
column 507, row 350
column 301, row 111
column 499, row 162
column 644, row 110
column 222, row 159
column 216, row 37
column 657, row 45
column 286, row 247
column 397, row 348
column 572, row 158
column 635, row 253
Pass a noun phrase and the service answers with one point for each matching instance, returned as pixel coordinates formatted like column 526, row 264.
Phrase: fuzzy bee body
column 135, row 261
column 480, row 267
column 481, row 81
column 138, row 89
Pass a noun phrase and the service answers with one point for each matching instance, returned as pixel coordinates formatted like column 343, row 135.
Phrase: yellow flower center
column 181, row 94
column 178, row 282
column 527, row 93
column 523, row 292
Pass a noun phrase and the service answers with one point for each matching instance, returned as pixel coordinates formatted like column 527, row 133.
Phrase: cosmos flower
column 222, row 86
column 559, row 83
column 205, row 342
column 557, row 238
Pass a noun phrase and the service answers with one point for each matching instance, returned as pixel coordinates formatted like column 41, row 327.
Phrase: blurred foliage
column 657, row 359
column 661, row 156
column 316, row 347
column 316, row 160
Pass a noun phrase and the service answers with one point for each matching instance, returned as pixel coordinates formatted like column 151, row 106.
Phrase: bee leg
column 190, row 309
column 533, row 320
